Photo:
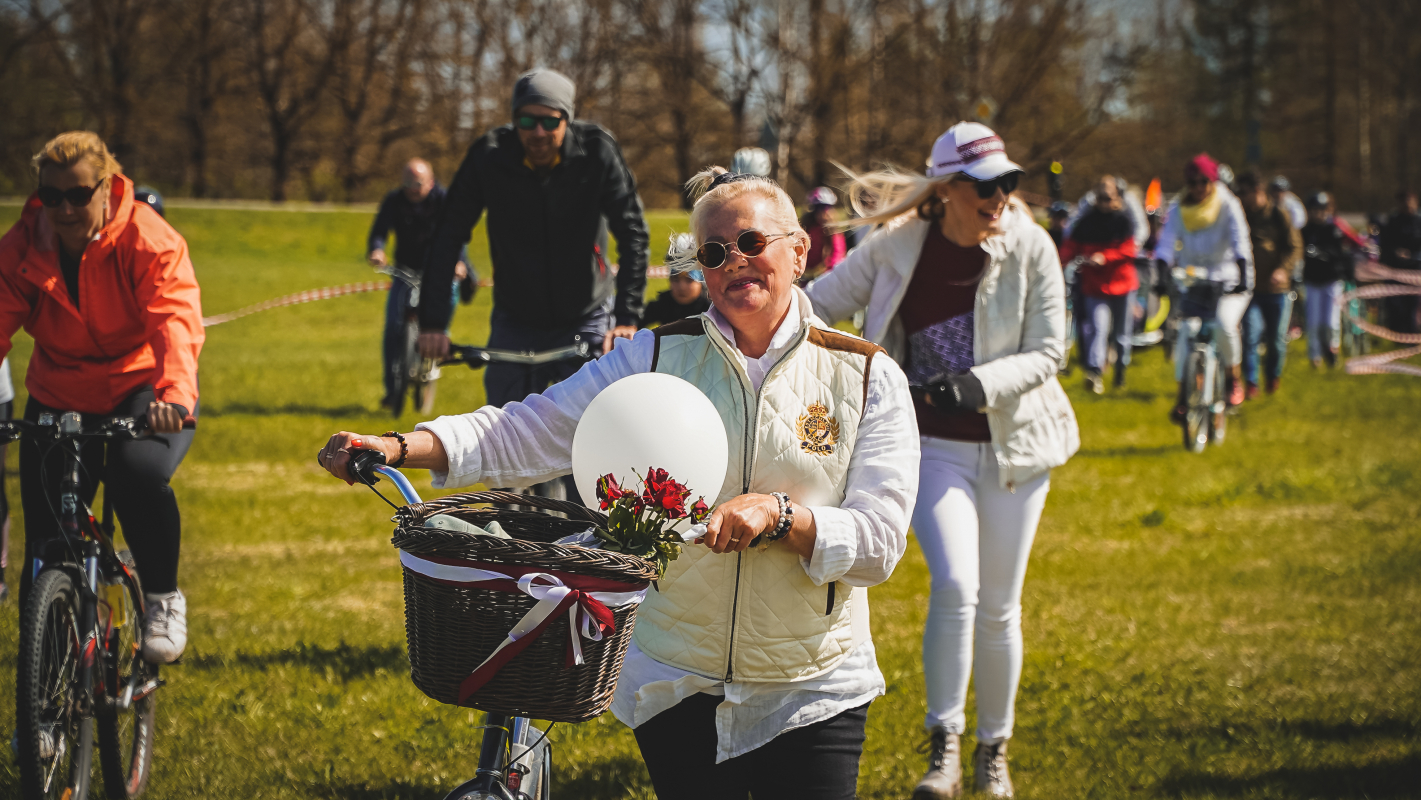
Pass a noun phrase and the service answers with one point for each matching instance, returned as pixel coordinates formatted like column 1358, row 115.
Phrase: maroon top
column 937, row 315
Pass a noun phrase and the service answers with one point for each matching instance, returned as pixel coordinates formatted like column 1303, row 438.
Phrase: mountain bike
column 515, row 758
column 411, row 374
column 81, row 636
column 1205, row 391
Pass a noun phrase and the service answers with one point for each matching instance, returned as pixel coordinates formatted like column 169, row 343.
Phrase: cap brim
column 991, row 167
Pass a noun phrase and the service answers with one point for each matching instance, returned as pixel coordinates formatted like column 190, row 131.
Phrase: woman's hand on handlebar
column 335, row 456
column 165, row 417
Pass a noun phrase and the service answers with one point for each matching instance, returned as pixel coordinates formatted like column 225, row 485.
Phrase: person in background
column 7, row 411
column 105, row 288
column 1104, row 238
column 1400, row 242
column 1206, row 227
column 962, row 286
column 553, row 188
column 1280, row 191
column 687, row 295
column 1056, row 218
column 411, row 211
column 827, row 247
column 751, row 161
column 1327, row 262
column 1277, row 251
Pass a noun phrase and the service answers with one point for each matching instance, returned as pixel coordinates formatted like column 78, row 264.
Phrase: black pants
column 816, row 762
column 510, row 383
column 135, row 475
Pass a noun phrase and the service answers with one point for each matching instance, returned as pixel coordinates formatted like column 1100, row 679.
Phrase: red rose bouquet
column 638, row 523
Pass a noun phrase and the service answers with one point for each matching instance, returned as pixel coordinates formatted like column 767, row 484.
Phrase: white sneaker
column 165, row 628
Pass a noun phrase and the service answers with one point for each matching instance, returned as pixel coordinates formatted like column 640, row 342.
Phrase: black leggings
column 816, row 762
column 135, row 474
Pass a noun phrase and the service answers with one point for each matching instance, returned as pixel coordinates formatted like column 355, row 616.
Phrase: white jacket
column 1018, row 334
column 1217, row 248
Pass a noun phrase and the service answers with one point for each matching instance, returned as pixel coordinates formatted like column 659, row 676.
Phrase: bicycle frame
column 500, row 732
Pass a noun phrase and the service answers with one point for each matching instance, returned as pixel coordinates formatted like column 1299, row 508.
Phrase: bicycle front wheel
column 125, row 735
column 1197, row 406
column 56, row 737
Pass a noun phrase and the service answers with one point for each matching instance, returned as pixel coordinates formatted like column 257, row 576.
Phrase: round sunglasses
column 985, row 189
column 78, row 196
column 751, row 243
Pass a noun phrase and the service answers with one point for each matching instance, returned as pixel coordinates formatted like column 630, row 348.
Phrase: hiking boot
column 1329, row 357
column 1094, row 382
column 944, row 777
column 165, row 628
column 1250, row 391
column 989, row 770
column 1271, row 385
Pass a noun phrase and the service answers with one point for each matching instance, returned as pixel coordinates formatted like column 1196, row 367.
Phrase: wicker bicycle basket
column 452, row 629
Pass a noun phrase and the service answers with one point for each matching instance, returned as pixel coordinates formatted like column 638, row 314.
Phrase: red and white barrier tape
column 1379, row 363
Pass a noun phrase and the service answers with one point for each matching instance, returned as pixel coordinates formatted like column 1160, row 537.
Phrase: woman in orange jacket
column 105, row 288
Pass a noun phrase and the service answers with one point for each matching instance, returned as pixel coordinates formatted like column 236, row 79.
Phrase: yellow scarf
column 1198, row 217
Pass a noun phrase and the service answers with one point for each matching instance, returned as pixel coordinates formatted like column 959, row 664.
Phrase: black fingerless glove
column 957, row 393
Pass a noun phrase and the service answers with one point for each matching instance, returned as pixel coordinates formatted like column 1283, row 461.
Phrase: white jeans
column 1228, row 333
column 1324, row 317
column 976, row 537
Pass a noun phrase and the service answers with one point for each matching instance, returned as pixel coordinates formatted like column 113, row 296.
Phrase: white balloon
column 650, row 420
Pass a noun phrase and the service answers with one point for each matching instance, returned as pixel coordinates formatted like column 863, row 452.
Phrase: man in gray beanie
column 553, row 188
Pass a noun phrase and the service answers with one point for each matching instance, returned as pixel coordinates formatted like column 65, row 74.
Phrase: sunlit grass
column 1242, row 623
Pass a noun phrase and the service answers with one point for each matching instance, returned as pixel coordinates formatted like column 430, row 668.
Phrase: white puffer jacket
column 1018, row 334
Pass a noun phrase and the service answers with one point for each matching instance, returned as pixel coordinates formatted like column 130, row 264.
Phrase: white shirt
column 859, row 542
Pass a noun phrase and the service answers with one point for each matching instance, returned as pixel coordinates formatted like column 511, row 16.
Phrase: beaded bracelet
column 786, row 520
column 404, row 448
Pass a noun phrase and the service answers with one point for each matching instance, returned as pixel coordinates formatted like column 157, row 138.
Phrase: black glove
column 956, row 393
column 468, row 286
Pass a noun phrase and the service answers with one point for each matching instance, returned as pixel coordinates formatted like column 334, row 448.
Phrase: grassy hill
column 1243, row 623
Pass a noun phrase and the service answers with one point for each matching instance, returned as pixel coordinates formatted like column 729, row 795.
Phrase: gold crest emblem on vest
column 818, row 432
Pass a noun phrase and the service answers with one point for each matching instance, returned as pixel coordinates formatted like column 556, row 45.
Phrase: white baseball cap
column 971, row 148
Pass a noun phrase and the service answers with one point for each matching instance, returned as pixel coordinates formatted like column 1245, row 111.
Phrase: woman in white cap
column 964, row 289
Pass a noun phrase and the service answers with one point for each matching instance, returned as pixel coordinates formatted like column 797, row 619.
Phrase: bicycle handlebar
column 68, row 425
column 476, row 357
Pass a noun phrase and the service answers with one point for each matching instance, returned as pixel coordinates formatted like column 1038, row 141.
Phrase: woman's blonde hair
column 68, row 149
column 709, row 196
column 888, row 194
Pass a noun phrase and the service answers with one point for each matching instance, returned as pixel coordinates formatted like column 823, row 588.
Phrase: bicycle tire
column 126, row 737
column 1196, row 412
column 1218, row 423
column 44, row 703
column 404, row 368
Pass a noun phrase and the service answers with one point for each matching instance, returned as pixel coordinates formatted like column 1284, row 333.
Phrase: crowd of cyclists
column 952, row 413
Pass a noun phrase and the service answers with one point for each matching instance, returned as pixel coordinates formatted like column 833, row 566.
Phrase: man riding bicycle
column 411, row 211
column 105, row 287
column 552, row 187
column 1206, row 228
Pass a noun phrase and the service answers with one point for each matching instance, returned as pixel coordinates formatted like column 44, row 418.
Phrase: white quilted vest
column 757, row 616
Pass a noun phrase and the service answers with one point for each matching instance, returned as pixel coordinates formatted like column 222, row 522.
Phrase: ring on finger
column 735, row 541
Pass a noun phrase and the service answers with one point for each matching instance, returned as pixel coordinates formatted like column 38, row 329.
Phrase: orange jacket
column 141, row 323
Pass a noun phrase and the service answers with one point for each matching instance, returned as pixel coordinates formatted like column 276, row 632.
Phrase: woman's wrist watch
column 786, row 520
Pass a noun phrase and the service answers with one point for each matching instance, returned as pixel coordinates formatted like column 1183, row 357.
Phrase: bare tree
column 290, row 61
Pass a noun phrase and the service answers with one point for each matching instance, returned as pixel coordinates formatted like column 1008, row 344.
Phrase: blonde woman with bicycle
column 964, row 289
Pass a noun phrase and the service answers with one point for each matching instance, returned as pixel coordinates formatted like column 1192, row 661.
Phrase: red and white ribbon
column 587, row 601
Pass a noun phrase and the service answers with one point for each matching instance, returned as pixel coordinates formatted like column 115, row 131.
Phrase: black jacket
column 1327, row 253
column 665, row 310
column 547, row 234
column 413, row 224
column 1401, row 232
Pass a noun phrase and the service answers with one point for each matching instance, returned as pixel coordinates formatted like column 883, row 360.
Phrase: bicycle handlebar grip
column 363, row 464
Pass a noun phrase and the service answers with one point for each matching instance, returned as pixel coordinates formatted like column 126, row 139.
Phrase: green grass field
column 1241, row 624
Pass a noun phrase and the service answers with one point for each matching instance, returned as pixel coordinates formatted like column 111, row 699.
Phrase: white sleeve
column 530, row 442
column 1168, row 235
column 861, row 540
column 846, row 289
column 1043, row 333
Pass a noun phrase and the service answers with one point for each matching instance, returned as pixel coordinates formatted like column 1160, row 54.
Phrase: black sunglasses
column 712, row 255
column 527, row 122
column 78, row 196
column 985, row 189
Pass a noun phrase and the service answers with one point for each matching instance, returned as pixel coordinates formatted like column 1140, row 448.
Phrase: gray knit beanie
column 544, row 87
